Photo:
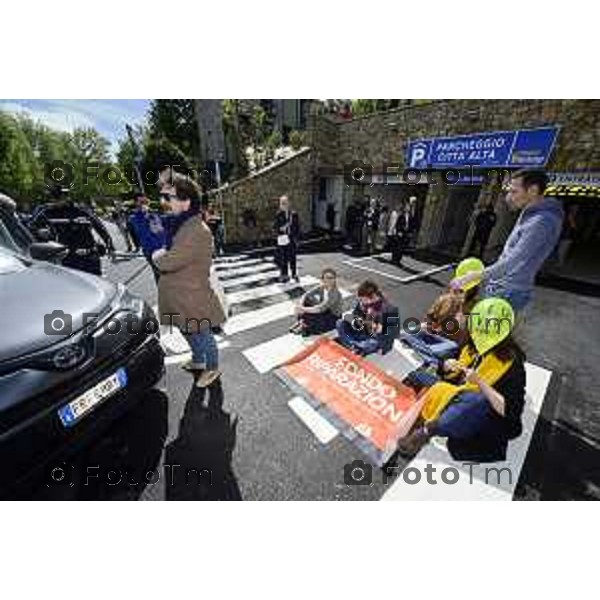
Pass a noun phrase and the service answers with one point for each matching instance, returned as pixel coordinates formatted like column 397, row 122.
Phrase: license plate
column 72, row 412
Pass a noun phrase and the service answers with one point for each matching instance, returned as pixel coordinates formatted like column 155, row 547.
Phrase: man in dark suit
column 287, row 231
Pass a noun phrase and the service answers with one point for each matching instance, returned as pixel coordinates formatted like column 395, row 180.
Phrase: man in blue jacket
column 531, row 241
column 149, row 230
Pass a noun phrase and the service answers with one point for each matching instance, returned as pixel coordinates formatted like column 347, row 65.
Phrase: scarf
column 489, row 367
column 174, row 223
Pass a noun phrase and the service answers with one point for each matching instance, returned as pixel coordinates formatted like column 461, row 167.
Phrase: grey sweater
column 529, row 244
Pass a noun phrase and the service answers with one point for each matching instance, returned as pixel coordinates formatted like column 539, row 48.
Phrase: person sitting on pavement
column 440, row 337
column 479, row 404
column 372, row 325
column 186, row 297
column 149, row 230
column 320, row 308
column 531, row 241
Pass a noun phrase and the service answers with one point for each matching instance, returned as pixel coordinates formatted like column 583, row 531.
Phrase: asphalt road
column 246, row 443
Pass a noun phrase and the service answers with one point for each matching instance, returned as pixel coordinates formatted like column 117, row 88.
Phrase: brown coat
column 184, row 286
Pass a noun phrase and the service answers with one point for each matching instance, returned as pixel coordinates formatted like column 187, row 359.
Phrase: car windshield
column 11, row 263
column 12, row 234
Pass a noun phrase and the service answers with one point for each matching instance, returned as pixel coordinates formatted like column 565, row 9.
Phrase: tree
column 18, row 164
column 175, row 121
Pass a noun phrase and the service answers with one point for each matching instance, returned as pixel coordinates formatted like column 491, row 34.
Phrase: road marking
column 372, row 270
column 323, row 430
column 229, row 283
column 228, row 259
column 269, row 290
column 261, row 316
column 408, row 279
column 226, row 276
column 275, row 352
column 223, row 267
column 482, row 484
column 176, row 359
column 258, row 317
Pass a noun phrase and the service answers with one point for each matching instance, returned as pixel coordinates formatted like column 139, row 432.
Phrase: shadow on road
column 199, row 460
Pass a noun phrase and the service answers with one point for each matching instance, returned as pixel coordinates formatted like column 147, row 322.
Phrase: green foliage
column 297, row 139
column 27, row 146
column 236, row 138
column 175, row 122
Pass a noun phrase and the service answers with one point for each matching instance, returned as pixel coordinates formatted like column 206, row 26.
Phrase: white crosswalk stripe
column 254, row 278
column 235, row 272
column 265, row 291
column 248, row 284
column 247, row 262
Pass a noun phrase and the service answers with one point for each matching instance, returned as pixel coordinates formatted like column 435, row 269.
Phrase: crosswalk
column 255, row 297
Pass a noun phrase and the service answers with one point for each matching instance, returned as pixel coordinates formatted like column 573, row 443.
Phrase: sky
column 107, row 116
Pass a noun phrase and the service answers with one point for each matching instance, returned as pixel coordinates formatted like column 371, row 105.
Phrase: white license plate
column 72, row 412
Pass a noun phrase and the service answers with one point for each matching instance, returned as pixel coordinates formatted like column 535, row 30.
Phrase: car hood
column 37, row 289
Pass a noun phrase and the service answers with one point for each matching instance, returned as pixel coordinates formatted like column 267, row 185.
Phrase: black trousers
column 318, row 323
column 286, row 259
column 397, row 247
column 478, row 245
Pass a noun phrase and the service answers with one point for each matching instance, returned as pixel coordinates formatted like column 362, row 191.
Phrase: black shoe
column 296, row 278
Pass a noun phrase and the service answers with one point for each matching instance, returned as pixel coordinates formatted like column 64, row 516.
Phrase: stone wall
column 261, row 191
column 383, row 137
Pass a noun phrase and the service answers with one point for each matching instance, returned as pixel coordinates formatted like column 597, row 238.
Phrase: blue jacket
column 529, row 244
column 150, row 231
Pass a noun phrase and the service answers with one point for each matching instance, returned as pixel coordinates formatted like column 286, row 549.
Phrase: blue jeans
column 359, row 340
column 467, row 416
column 518, row 299
column 432, row 348
column 204, row 349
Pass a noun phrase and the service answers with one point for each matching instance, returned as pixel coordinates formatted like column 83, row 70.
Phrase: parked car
column 65, row 371
column 15, row 236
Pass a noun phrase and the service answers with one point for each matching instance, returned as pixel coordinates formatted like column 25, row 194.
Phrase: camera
column 358, row 172
column 58, row 172
column 59, row 475
column 358, row 473
column 58, row 323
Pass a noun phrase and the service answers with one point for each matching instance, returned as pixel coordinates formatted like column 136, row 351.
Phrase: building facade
column 565, row 141
column 495, row 136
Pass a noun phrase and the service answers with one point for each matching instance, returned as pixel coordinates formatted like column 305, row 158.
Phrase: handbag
column 283, row 240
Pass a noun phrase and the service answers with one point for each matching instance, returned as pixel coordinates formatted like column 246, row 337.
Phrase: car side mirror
column 50, row 251
column 43, row 234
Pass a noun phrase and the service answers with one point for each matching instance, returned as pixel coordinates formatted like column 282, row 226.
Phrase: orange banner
column 373, row 403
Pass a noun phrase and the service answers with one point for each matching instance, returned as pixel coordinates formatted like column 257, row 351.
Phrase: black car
column 75, row 352
column 17, row 237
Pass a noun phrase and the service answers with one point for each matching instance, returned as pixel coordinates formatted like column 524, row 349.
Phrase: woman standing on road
column 185, row 296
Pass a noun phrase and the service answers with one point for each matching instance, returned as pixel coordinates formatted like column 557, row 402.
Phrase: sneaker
column 296, row 328
column 207, row 378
